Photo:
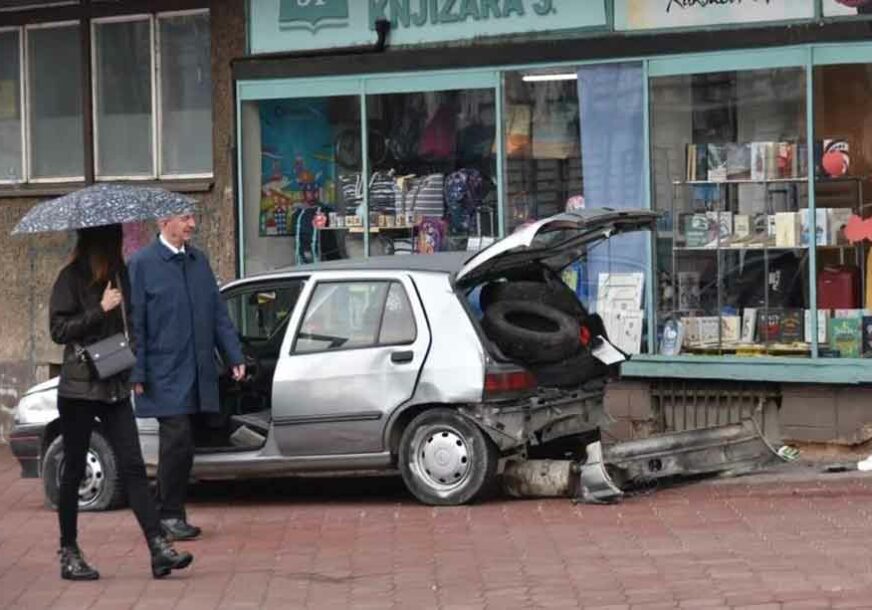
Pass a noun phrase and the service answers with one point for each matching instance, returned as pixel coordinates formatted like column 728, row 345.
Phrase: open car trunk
column 528, row 315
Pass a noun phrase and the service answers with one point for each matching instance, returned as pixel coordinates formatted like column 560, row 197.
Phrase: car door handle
column 402, row 357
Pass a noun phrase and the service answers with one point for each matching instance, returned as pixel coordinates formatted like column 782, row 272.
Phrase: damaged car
column 440, row 367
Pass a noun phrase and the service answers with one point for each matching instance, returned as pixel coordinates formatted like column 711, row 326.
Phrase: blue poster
column 297, row 160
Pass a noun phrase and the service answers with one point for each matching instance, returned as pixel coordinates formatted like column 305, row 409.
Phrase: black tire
column 571, row 372
column 445, row 459
column 553, row 294
column 531, row 332
column 101, row 488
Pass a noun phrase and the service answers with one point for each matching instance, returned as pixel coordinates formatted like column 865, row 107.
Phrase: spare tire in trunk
column 531, row 332
column 554, row 294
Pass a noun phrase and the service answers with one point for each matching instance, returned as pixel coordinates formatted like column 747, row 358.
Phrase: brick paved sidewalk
column 776, row 542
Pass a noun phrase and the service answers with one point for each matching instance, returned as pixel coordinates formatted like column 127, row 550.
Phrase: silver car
column 379, row 364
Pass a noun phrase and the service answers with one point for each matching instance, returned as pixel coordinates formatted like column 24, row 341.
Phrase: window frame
column 26, row 107
column 22, row 79
column 250, row 289
column 377, row 344
column 26, row 92
column 95, row 136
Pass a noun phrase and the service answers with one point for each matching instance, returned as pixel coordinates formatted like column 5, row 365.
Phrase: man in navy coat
column 178, row 319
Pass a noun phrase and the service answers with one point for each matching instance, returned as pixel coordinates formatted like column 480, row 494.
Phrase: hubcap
column 92, row 481
column 442, row 458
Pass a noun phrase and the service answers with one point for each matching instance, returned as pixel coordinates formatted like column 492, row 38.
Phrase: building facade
column 394, row 127
column 103, row 90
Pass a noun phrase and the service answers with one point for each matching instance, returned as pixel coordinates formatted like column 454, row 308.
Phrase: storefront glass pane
column 122, row 77
column 55, row 102
column 10, row 108
column 432, row 182
column 730, row 161
column 297, row 205
column 843, row 164
column 569, row 147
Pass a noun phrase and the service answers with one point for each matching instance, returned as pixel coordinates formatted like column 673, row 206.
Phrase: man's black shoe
column 179, row 529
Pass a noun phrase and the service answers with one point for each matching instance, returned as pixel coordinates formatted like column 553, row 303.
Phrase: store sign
column 292, row 25
column 665, row 14
column 847, row 8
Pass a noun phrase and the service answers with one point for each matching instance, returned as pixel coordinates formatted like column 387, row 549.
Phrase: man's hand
column 239, row 372
column 138, row 389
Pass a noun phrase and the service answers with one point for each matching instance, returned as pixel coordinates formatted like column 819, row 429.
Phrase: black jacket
column 76, row 319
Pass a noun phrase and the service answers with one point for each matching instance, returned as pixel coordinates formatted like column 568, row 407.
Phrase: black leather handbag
column 111, row 355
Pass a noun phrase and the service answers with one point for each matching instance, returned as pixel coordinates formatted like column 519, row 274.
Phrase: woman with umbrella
column 88, row 304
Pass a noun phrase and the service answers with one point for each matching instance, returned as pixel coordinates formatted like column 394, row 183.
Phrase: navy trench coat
column 178, row 319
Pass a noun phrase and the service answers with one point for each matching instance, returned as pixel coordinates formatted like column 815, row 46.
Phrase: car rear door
column 352, row 356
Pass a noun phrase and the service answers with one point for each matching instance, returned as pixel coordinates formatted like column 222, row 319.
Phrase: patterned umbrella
column 103, row 204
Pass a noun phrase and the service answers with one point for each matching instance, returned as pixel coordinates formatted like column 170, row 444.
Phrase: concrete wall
column 29, row 265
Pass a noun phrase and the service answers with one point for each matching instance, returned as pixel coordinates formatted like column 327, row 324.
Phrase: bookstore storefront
column 479, row 117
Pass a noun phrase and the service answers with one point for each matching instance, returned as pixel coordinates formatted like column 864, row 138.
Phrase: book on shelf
column 696, row 230
column 823, row 316
column 837, row 220
column 866, row 348
column 731, row 329
column 822, row 232
column 709, row 330
column 691, row 331
column 768, row 326
column 717, row 162
column 738, row 161
column 749, row 325
column 720, row 226
column 846, row 336
column 788, row 230
column 688, row 290
column 741, row 225
column 672, row 339
column 792, row 326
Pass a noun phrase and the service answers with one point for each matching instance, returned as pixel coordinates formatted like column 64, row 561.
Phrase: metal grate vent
column 680, row 405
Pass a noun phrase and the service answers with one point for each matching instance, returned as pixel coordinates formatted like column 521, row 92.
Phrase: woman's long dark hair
column 100, row 249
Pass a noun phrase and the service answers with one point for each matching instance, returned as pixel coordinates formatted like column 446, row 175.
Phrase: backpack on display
column 431, row 235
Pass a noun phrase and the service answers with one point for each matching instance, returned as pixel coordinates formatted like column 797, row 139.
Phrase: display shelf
column 749, row 181
column 759, row 248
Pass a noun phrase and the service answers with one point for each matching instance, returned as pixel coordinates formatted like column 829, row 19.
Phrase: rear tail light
column 500, row 383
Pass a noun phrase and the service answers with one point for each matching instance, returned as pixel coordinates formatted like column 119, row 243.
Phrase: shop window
column 55, row 103
column 730, row 165
column 542, row 143
column 433, row 167
column 842, row 167
column 302, row 192
column 185, row 95
column 569, row 146
column 122, row 98
column 11, row 169
column 353, row 315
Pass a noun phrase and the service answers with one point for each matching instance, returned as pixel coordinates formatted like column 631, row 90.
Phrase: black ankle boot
column 164, row 558
column 74, row 566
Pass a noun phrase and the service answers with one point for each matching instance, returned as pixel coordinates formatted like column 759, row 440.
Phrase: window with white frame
column 151, row 93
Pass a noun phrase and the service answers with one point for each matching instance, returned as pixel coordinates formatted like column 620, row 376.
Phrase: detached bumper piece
column 25, row 443
column 608, row 473
column 729, row 450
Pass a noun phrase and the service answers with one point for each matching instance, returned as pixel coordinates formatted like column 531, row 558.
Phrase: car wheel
column 446, row 459
column 100, row 488
column 531, row 332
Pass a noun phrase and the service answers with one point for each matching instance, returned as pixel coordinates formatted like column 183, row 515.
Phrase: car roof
column 440, row 262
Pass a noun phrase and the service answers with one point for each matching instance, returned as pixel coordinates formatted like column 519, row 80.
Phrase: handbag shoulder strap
column 123, row 306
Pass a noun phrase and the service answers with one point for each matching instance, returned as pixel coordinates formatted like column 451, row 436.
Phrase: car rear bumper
column 25, row 442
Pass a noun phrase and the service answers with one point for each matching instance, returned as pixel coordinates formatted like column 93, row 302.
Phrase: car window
column 350, row 315
column 398, row 322
column 260, row 312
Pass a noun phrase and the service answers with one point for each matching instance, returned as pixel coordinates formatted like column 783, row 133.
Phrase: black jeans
column 176, row 457
column 119, row 426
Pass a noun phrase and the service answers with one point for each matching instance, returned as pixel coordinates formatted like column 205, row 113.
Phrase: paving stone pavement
column 755, row 543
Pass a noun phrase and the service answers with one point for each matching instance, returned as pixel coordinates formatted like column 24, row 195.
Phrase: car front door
column 352, row 356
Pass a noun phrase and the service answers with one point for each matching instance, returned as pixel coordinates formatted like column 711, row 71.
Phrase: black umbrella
column 103, row 204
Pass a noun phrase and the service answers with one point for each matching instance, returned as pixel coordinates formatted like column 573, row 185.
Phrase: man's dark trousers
column 174, row 465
